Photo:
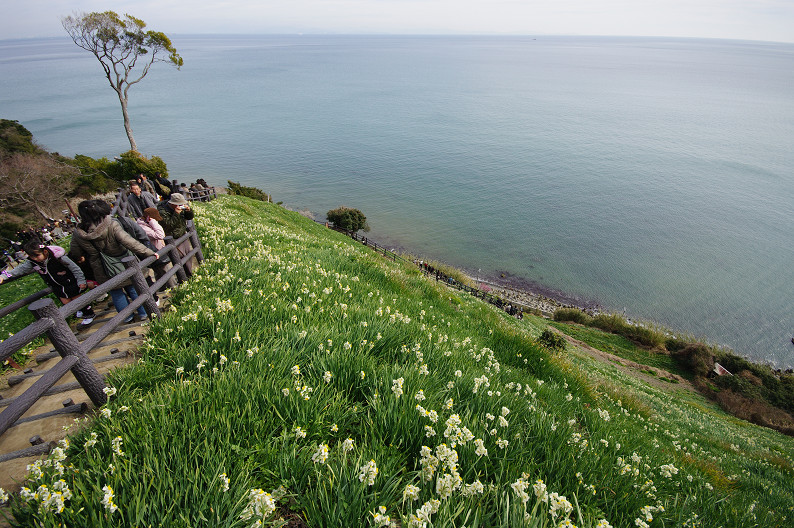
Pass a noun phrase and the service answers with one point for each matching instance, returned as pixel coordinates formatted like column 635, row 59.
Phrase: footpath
column 44, row 424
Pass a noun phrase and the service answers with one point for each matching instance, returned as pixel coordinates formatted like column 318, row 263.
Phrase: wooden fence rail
column 51, row 321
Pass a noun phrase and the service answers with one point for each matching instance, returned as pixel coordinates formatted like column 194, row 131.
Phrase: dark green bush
column 552, row 340
column 697, row 358
column 777, row 389
column 348, row 218
column 16, row 138
column 674, row 344
column 645, row 336
column 609, row 323
column 248, row 192
column 738, row 384
column 102, row 175
column 132, row 163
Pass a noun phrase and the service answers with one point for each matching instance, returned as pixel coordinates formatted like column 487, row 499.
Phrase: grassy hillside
column 302, row 377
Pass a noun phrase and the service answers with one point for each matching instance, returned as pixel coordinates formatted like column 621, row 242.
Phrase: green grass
column 14, row 322
column 291, row 339
column 621, row 347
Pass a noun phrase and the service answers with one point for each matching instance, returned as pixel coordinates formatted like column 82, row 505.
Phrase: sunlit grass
column 299, row 371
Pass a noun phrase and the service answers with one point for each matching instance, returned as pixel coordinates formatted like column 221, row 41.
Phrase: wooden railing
column 51, row 321
column 122, row 197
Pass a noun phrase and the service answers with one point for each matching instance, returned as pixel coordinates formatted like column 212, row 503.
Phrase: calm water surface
column 649, row 175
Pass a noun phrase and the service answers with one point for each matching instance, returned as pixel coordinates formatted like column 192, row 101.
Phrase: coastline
column 523, row 292
column 513, row 288
column 519, row 290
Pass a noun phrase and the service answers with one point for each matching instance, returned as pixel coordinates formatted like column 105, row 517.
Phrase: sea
column 650, row 176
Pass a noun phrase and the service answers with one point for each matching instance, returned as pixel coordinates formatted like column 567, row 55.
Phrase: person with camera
column 175, row 213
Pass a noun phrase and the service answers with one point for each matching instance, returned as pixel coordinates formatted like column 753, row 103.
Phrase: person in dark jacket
column 57, row 270
column 163, row 186
column 138, row 200
column 99, row 233
column 175, row 213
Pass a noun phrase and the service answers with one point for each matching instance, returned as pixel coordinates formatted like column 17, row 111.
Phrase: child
column 57, row 270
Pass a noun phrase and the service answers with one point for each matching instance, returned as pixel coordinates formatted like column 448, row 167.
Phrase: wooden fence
column 120, row 205
column 51, row 321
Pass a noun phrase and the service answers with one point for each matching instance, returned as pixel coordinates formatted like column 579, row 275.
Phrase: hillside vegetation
column 303, row 379
column 34, row 183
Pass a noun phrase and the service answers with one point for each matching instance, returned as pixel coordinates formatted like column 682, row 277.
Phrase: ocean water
column 652, row 176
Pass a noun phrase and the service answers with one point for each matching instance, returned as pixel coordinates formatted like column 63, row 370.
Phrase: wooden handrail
column 51, row 321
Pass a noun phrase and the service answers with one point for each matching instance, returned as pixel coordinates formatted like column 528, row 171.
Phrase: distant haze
column 765, row 20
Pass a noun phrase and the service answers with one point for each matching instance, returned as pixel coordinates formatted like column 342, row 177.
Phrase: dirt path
column 656, row 377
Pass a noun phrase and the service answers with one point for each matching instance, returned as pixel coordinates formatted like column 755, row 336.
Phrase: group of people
column 158, row 219
column 100, row 241
column 52, row 231
column 160, row 186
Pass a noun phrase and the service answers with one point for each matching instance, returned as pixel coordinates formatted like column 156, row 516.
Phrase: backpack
column 164, row 191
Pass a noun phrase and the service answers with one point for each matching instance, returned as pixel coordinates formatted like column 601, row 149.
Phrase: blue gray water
column 649, row 175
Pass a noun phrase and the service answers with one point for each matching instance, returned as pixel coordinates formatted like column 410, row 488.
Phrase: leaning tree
column 124, row 49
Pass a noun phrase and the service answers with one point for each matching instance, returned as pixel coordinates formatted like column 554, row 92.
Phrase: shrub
column 132, row 163
column 248, row 192
column 646, row 336
column 552, row 340
column 572, row 315
column 609, row 323
column 101, row 175
column 697, row 358
column 674, row 344
column 16, row 138
column 348, row 218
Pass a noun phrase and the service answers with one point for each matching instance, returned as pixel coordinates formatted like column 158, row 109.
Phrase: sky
column 766, row 20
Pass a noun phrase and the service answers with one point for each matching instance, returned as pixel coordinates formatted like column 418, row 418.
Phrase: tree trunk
column 127, row 126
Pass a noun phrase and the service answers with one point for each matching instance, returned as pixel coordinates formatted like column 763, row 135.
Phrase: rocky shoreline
column 535, row 295
column 512, row 288
column 517, row 293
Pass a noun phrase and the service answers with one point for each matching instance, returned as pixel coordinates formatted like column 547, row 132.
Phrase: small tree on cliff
column 123, row 48
column 347, row 218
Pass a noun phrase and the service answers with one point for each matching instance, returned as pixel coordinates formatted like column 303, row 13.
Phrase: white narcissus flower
column 107, row 500
column 117, row 446
column 411, row 492
column 321, row 455
column 368, row 472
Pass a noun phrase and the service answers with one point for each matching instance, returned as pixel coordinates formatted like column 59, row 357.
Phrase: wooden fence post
column 175, row 257
column 66, row 343
column 194, row 240
column 139, row 283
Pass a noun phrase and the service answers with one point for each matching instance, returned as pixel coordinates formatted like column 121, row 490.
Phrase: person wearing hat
column 175, row 213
